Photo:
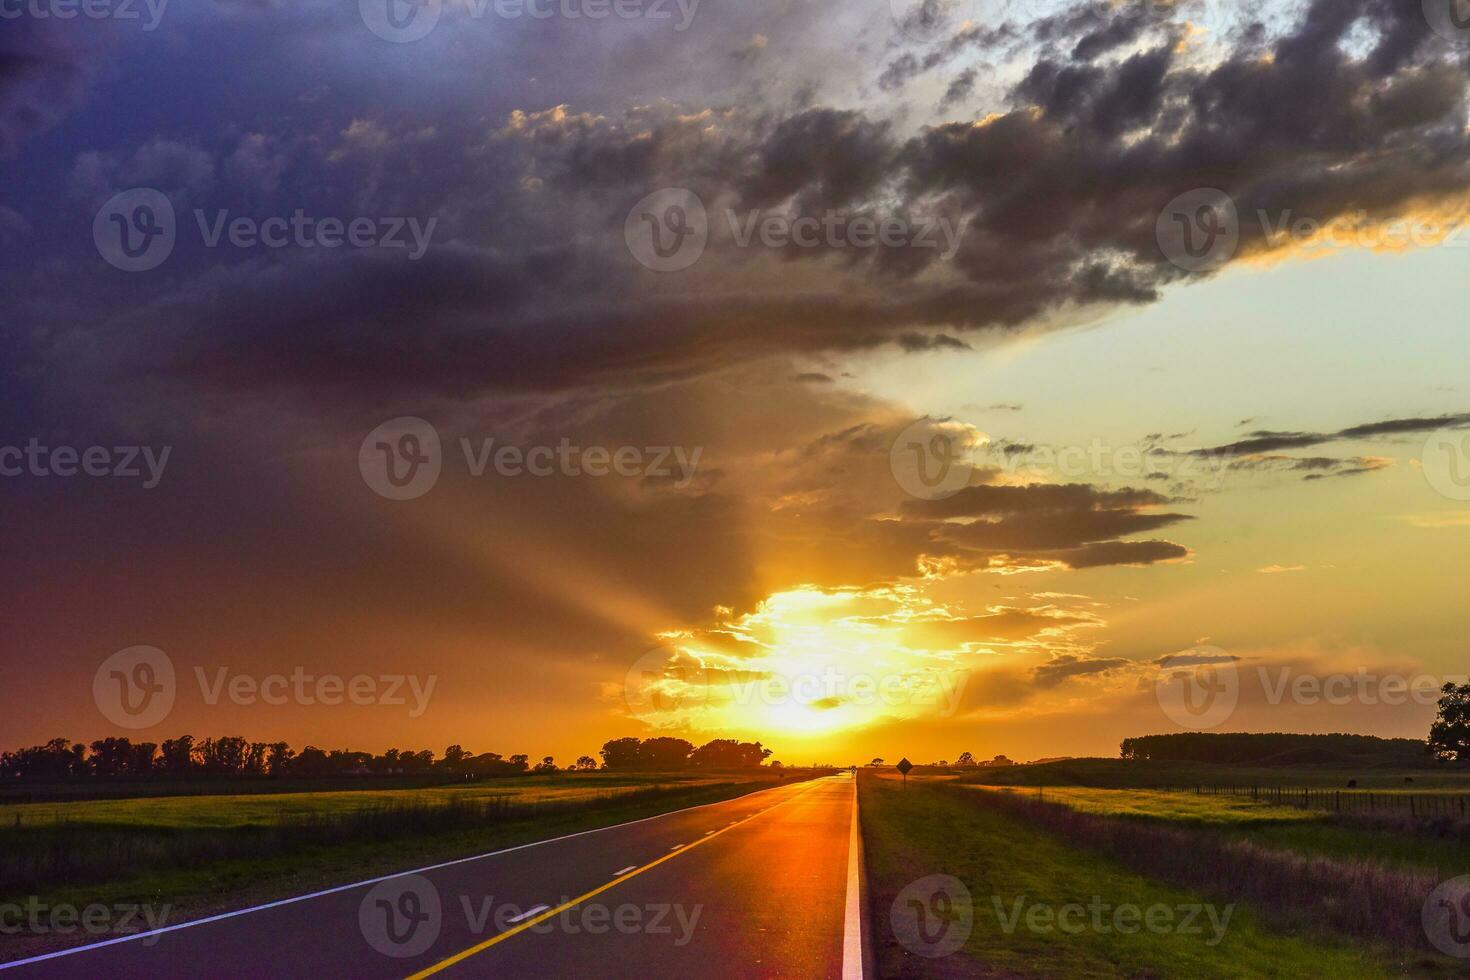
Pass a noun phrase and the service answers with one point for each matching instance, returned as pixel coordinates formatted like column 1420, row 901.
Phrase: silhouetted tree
column 1449, row 736
column 620, row 753
column 586, row 763
column 178, row 754
column 727, row 753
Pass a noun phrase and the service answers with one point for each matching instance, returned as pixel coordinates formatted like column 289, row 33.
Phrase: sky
column 869, row 379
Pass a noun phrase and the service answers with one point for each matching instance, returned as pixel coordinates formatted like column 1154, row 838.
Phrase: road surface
column 765, row 885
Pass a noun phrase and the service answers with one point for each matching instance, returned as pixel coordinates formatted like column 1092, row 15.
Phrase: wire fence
column 1415, row 805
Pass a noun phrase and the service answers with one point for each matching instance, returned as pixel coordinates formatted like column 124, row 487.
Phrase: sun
column 806, row 662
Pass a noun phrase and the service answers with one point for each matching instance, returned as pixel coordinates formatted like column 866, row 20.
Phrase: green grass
column 192, row 889
column 923, row 830
column 260, row 810
column 1167, row 805
column 1447, row 857
column 1288, row 828
column 1125, row 774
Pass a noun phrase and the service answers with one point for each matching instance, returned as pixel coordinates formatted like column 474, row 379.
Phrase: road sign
column 904, row 765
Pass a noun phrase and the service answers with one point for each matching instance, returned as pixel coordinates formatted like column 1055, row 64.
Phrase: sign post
column 904, row 765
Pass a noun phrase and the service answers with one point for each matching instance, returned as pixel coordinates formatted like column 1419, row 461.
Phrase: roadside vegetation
column 1005, row 857
column 199, row 861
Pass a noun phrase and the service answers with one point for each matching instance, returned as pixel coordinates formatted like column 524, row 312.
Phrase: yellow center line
column 460, row 957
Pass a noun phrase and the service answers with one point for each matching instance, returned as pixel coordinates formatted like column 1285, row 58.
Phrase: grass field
column 926, row 830
column 262, row 809
column 1433, row 847
column 1164, row 805
column 202, row 855
column 1124, row 774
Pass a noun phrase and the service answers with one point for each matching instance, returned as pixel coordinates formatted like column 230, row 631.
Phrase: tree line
column 1449, row 741
column 62, row 759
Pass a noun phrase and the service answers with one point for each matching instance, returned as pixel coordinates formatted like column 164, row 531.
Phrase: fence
column 1415, row 805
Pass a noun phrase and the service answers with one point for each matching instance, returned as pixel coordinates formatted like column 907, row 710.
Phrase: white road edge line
column 536, row 910
column 358, row 884
column 852, row 930
column 619, row 874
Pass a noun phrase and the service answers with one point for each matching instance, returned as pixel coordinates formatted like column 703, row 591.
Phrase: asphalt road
column 761, row 886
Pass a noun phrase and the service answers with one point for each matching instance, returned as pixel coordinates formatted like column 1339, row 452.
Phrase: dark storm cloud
column 1065, row 666
column 530, row 286
column 44, row 71
column 1264, row 441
